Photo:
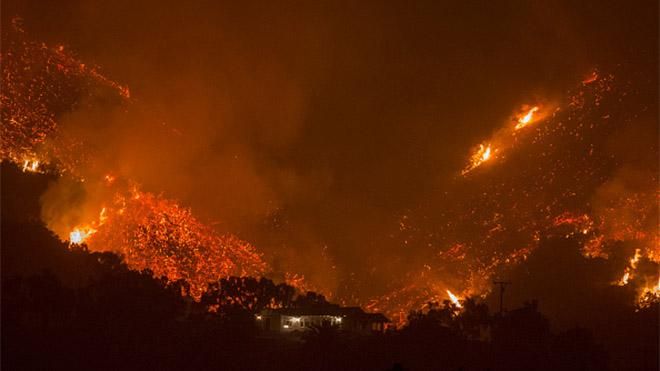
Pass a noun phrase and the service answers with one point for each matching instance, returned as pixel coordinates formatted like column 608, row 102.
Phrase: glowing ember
column 39, row 82
column 527, row 118
column 591, row 78
column 562, row 183
column 154, row 233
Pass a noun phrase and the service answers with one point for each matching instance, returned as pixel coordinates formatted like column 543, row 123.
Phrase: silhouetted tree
column 521, row 337
column 472, row 319
column 310, row 299
column 575, row 349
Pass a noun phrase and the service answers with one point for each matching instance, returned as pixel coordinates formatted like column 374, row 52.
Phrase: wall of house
column 305, row 323
column 276, row 322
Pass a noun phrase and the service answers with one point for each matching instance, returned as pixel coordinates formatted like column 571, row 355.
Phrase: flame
column 624, row 280
column 483, row 154
column 31, row 166
column 527, row 118
column 103, row 217
column 649, row 295
column 454, row 299
column 635, row 259
column 486, row 154
column 80, row 234
column 629, row 271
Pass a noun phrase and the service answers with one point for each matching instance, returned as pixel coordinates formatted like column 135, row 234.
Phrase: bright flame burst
column 80, row 234
column 454, row 299
column 31, row 166
column 630, row 270
column 526, row 119
column 481, row 155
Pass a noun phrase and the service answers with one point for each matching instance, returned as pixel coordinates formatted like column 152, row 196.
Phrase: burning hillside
column 154, row 233
column 147, row 230
column 551, row 170
column 549, row 173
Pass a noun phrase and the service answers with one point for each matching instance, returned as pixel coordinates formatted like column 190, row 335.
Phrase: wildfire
column 557, row 172
column 149, row 231
column 454, row 299
column 483, row 154
column 527, row 118
column 539, row 196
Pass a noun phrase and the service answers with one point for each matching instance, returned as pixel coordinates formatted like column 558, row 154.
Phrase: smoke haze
column 311, row 129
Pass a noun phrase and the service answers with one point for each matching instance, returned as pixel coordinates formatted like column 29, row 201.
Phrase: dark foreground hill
column 68, row 308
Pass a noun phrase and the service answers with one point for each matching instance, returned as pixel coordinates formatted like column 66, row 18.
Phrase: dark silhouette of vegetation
column 69, row 308
column 127, row 319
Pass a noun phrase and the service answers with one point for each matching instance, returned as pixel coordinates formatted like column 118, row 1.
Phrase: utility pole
column 502, row 285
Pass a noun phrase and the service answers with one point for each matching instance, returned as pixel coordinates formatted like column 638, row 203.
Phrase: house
column 298, row 320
